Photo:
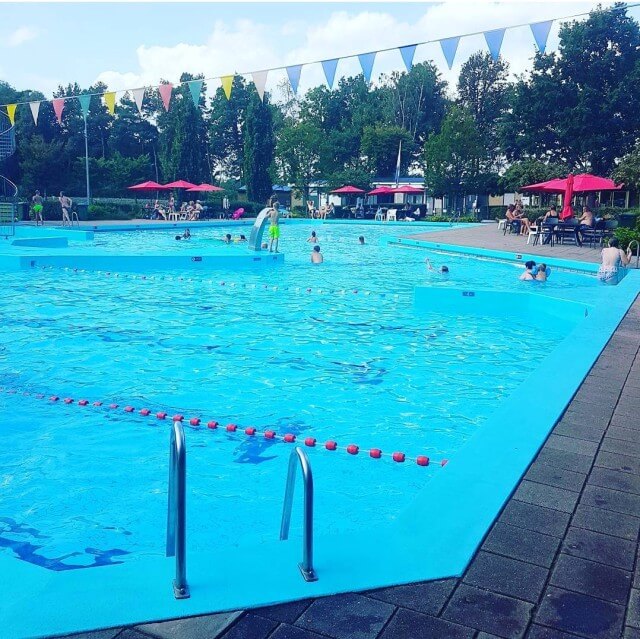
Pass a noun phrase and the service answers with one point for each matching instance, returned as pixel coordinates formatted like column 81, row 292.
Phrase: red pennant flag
column 165, row 94
column 58, row 106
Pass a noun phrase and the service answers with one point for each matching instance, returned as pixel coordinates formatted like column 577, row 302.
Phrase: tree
column 628, row 171
column 259, row 146
column 530, row 172
column 380, row 148
column 452, row 156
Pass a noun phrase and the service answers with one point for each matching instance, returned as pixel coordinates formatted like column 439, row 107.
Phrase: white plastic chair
column 392, row 215
column 379, row 216
column 501, row 224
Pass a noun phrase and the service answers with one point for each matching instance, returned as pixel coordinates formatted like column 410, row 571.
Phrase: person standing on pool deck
column 37, row 207
column 274, row 227
column 65, row 204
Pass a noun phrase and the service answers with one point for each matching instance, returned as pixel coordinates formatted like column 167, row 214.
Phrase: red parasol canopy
column 381, row 190
column 148, row 186
column 346, row 190
column 567, row 211
column 411, row 190
column 584, row 182
column 180, row 184
column 204, row 188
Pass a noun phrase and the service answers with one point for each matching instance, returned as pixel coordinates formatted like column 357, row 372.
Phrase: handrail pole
column 637, row 251
column 177, row 510
column 298, row 455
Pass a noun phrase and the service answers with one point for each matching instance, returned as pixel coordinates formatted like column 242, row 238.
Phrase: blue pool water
column 86, row 486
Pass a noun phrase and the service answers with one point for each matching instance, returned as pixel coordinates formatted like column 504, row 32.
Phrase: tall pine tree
column 259, row 147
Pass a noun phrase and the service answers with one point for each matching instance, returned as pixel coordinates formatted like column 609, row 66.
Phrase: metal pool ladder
column 637, row 251
column 298, row 455
column 177, row 510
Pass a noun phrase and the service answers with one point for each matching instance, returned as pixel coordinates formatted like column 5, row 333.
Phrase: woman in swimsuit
column 65, row 204
column 614, row 259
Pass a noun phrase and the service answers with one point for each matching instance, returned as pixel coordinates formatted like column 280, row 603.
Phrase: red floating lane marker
column 251, row 431
column 114, row 406
column 194, row 421
column 269, row 434
column 398, row 457
column 68, row 400
column 331, row 445
column 422, row 460
column 97, row 403
column 352, row 449
column 54, row 398
column 310, row 441
column 444, row 462
column 289, row 438
column 83, row 402
column 231, row 428
column 161, row 415
column 212, row 425
column 129, row 409
column 178, row 418
column 145, row 411
column 376, row 453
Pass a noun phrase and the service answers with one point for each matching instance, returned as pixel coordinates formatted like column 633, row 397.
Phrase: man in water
column 444, row 270
column 274, row 227
column 316, row 256
column 37, row 207
column 361, row 239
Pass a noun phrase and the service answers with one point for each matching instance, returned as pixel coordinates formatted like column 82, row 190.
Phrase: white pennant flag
column 35, row 109
column 260, row 80
column 138, row 96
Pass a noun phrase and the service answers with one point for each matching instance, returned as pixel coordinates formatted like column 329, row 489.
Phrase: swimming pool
column 335, row 352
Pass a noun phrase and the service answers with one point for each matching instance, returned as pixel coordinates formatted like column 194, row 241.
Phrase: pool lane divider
column 231, row 285
column 249, row 431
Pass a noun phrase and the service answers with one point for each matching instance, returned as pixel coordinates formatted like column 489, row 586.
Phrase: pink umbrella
column 411, row 190
column 180, row 184
column 204, row 188
column 582, row 183
column 346, row 190
column 148, row 186
column 566, row 200
column 381, row 190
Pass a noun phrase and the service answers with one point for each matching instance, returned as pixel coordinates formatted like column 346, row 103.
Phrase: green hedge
column 105, row 211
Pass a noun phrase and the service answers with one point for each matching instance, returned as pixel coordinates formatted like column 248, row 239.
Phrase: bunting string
column 449, row 46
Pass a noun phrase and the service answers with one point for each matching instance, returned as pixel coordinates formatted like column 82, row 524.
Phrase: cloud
column 244, row 45
column 21, row 35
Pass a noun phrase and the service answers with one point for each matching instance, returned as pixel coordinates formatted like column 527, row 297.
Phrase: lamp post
column 86, row 159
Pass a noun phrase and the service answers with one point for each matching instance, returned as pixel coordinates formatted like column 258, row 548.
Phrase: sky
column 128, row 45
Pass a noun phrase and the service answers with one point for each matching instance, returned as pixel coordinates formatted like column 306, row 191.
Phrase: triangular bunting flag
column 165, row 94
column 138, row 97
column 329, row 67
column 407, row 54
column 294, row 76
column 494, row 42
column 110, row 101
column 85, row 103
column 227, row 83
column 11, row 112
column 449, row 48
column 260, row 80
column 35, row 109
column 366, row 62
column 195, row 86
column 58, row 106
column 540, row 32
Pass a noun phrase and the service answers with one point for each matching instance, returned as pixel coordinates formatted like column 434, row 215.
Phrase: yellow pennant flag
column 110, row 101
column 11, row 112
column 227, row 83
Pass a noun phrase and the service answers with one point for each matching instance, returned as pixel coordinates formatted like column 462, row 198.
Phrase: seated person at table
column 512, row 219
column 524, row 220
column 586, row 222
column 549, row 220
column 330, row 210
column 530, row 272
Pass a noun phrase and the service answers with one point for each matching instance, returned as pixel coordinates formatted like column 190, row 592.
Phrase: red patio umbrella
column 567, row 211
column 204, row 188
column 381, row 190
column 150, row 185
column 180, row 184
column 582, row 183
column 348, row 189
column 411, row 190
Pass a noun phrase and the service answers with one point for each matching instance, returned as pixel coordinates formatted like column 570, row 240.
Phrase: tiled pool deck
column 561, row 561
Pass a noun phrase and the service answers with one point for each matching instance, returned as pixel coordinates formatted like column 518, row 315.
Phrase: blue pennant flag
column 294, row 76
column 195, row 86
column 407, row 54
column 366, row 62
column 540, row 32
column 494, row 42
column 449, row 47
column 85, row 102
column 329, row 67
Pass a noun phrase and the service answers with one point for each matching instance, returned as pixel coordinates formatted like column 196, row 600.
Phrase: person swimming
column 313, row 238
column 444, row 269
column 227, row 238
column 361, row 239
column 316, row 256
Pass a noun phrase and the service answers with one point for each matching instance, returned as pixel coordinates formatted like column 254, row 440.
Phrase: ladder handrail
column 177, row 509
column 637, row 251
column 298, row 455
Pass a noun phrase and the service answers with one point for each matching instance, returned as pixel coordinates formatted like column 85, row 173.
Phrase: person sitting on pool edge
column 531, row 270
column 316, row 256
column 444, row 270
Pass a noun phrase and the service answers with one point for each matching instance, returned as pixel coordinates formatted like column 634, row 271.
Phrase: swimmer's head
column 178, row 237
column 264, row 245
column 361, row 239
column 242, row 237
column 542, row 268
column 313, row 233
column 530, row 265
column 614, row 242
column 444, row 269
column 228, row 236
column 316, row 248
